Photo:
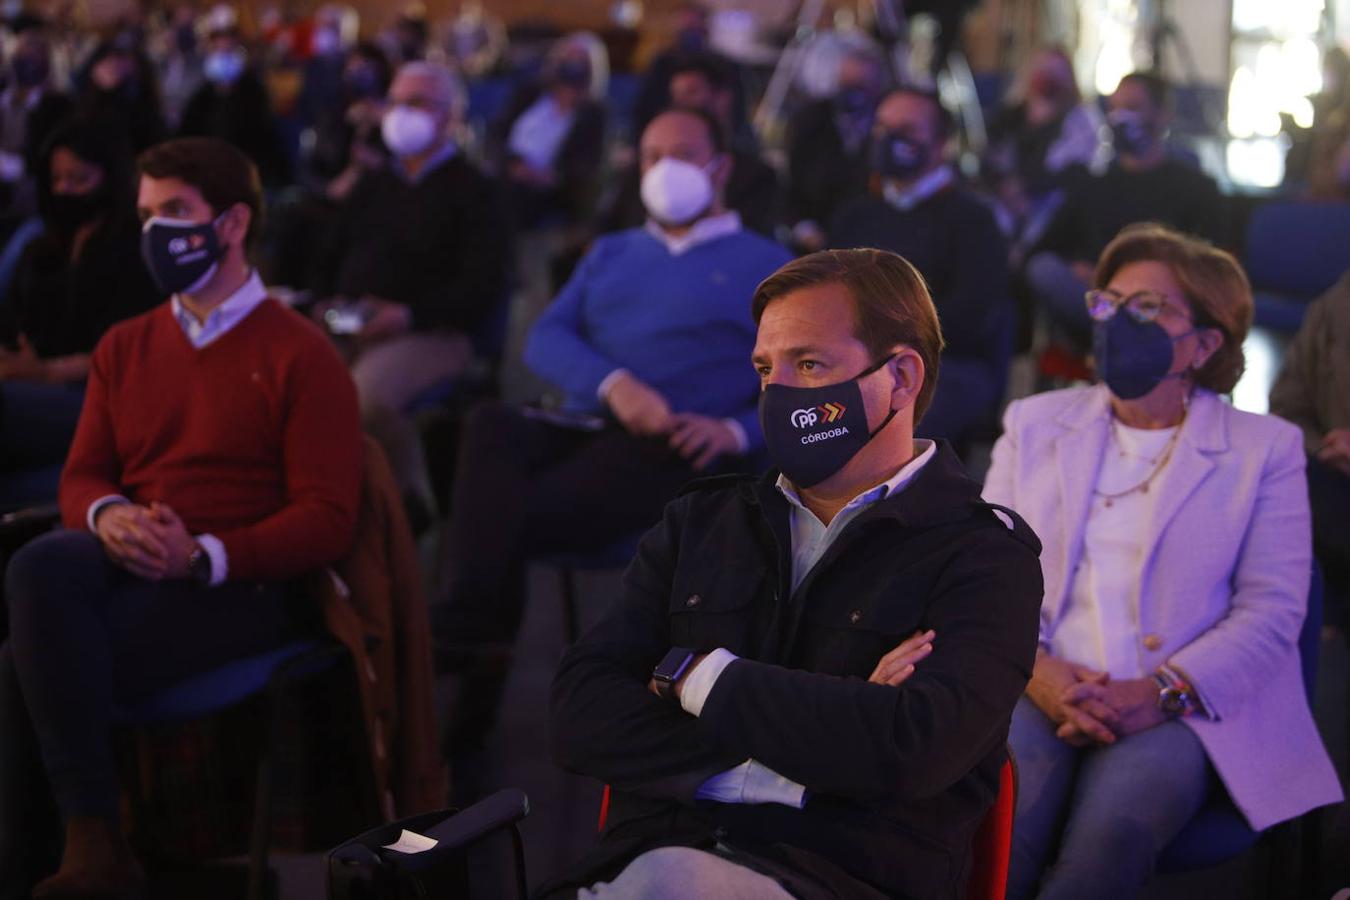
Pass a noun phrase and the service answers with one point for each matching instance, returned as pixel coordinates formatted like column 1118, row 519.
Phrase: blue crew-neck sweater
column 680, row 323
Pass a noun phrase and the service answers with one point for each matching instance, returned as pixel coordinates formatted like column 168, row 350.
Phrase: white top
column 538, row 133
column 1100, row 624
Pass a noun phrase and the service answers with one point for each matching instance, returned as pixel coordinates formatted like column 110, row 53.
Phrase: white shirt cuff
column 698, row 684
column 742, row 439
column 97, row 506
column 220, row 563
column 608, row 382
column 751, row 782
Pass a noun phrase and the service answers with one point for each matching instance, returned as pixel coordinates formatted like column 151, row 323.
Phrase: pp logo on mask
column 826, row 414
column 181, row 245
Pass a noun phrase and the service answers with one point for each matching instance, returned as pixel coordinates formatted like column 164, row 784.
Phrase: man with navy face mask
column 921, row 211
column 216, row 460
column 752, row 698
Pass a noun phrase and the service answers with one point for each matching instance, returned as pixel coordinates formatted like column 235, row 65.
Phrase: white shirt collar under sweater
column 702, row 231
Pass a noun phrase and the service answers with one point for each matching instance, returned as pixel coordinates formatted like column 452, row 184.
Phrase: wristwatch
column 199, row 565
column 1175, row 699
column 671, row 669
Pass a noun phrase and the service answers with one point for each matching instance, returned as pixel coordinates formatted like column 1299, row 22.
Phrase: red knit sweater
column 254, row 438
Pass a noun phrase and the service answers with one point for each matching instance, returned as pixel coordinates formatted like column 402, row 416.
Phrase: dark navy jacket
column 897, row 778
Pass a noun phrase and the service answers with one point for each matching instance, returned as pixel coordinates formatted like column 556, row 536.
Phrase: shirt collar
column 923, row 452
column 438, row 159
column 228, row 314
column 907, row 198
column 702, row 231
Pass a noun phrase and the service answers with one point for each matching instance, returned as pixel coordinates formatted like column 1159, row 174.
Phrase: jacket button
column 693, row 601
column 855, row 617
column 1152, row 642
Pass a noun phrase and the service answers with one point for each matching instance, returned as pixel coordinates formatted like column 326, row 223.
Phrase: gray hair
column 449, row 87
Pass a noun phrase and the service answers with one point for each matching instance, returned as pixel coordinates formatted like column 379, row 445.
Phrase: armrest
column 23, row 524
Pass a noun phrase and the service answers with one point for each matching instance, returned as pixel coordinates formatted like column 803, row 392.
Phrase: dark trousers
column 1329, row 491
column 87, row 636
column 526, row 488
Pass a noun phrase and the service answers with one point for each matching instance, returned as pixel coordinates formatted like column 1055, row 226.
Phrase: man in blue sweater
column 650, row 342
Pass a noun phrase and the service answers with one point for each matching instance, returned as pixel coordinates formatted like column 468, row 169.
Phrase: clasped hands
column 149, row 541
column 1089, row 707
column 641, row 410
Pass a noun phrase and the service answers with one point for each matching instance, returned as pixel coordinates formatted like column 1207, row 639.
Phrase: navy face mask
column 1133, row 357
column 812, row 433
column 896, row 155
column 181, row 256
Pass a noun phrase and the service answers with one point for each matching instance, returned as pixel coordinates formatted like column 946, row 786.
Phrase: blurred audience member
column 828, row 147
column 217, row 460
column 233, row 105
column 948, row 234
column 1043, row 136
column 179, row 62
column 1329, row 168
column 692, row 21
column 1143, row 184
column 119, row 87
column 548, row 144
column 1313, row 392
column 1176, row 566
column 649, row 343
column 29, row 109
column 336, row 28
column 72, row 284
column 345, row 142
column 418, row 263
column 406, row 40
column 702, row 82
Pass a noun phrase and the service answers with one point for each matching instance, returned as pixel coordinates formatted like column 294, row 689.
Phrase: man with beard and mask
column 233, row 105
column 417, row 263
column 73, row 283
column 648, row 342
column 217, row 459
column 805, row 686
column 1176, row 562
column 29, row 110
column 828, row 145
column 1143, row 184
column 702, row 82
column 950, row 235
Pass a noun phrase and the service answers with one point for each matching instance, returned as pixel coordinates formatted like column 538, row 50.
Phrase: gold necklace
column 1109, row 499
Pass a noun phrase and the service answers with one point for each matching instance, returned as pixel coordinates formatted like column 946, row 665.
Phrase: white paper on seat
column 411, row 842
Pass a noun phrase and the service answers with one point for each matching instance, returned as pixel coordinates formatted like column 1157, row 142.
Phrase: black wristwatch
column 199, row 565
column 671, row 669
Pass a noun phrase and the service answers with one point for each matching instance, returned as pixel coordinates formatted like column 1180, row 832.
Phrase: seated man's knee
column 40, row 571
column 684, row 873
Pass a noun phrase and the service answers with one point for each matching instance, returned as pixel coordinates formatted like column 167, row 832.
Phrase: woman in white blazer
column 1176, row 559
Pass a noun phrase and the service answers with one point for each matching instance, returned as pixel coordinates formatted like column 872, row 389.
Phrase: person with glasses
column 1176, row 561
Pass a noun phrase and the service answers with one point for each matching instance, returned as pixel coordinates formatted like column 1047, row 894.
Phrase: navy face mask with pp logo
column 812, row 433
column 181, row 256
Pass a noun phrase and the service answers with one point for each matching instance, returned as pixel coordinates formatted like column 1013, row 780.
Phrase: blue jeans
column 1091, row 822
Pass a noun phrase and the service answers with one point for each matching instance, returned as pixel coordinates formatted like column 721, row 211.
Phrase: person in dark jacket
column 120, row 88
column 233, row 105
column 75, row 282
column 30, row 108
column 752, row 698
column 419, row 261
column 922, row 212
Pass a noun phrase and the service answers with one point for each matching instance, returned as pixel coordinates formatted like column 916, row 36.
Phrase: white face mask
column 408, row 131
column 676, row 192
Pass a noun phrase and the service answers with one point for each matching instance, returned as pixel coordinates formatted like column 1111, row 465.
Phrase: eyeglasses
column 1142, row 306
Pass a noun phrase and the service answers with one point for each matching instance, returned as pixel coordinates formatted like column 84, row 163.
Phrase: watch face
column 673, row 664
column 1172, row 701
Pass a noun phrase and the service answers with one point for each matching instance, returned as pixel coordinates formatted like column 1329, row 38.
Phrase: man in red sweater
column 217, row 458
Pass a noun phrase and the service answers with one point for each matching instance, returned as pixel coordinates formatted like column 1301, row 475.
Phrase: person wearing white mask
column 232, row 104
column 647, row 343
column 417, row 264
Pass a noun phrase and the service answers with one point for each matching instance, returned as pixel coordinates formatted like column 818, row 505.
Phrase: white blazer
column 1224, row 579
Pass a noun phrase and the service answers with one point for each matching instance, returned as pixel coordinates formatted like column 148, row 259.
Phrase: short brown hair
column 216, row 168
column 1215, row 286
column 891, row 304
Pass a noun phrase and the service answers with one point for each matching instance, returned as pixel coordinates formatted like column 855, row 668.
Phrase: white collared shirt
column 233, row 310
column 905, row 199
column 704, row 230
column 753, row 782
